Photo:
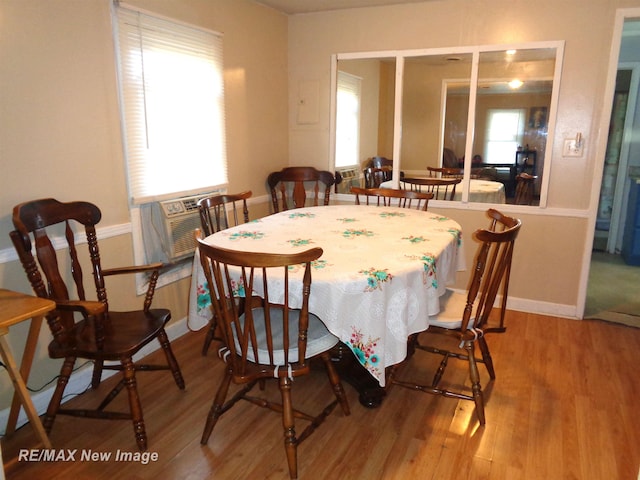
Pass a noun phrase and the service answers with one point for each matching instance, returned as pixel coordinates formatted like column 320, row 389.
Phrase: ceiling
column 291, row 7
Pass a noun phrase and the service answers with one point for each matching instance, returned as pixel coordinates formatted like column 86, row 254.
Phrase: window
column 347, row 120
column 505, row 129
column 172, row 106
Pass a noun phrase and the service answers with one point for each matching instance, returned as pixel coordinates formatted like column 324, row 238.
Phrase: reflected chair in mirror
column 445, row 172
column 454, row 332
column 441, row 188
column 380, row 162
column 84, row 328
column 269, row 334
column 388, row 197
column 291, row 183
column 219, row 212
column 480, row 173
column 374, row 177
column 525, row 187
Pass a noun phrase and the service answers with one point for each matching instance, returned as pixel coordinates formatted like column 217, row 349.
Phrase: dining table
column 378, row 281
column 480, row 190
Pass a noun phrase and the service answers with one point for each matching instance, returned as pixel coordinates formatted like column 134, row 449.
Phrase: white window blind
column 172, row 106
column 348, row 120
column 505, row 129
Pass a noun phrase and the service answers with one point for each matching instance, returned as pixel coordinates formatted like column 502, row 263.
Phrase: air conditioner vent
column 168, row 228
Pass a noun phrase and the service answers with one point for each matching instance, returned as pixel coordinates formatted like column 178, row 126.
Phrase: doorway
column 612, row 285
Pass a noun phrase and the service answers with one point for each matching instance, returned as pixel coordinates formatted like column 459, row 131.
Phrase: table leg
column 21, row 389
column 352, row 372
column 25, row 369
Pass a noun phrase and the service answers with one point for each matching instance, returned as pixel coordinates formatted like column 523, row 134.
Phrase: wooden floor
column 564, row 406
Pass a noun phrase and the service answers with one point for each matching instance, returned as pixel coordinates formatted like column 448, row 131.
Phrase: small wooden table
column 15, row 308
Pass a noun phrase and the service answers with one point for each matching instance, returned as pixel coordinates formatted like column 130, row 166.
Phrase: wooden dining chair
column 84, row 328
column 389, row 197
column 374, row 176
column 441, row 188
column 267, row 336
column 445, row 172
column 219, row 212
column 291, row 183
column 525, row 186
column 463, row 317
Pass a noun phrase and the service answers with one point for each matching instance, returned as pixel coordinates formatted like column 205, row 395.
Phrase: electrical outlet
column 572, row 148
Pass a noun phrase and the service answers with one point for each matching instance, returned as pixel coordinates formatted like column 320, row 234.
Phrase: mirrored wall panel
column 479, row 114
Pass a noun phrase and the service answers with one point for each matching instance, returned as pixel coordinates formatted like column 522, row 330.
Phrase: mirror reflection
column 365, row 106
column 510, row 107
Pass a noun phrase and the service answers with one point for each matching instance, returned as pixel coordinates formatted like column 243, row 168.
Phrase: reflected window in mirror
column 348, row 121
column 373, row 128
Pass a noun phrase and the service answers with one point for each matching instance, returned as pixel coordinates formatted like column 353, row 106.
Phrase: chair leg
column 97, row 373
column 56, row 398
column 334, row 379
column 290, row 441
column 486, row 357
column 211, row 334
column 475, row 382
column 441, row 368
column 129, row 373
column 216, row 407
column 171, row 359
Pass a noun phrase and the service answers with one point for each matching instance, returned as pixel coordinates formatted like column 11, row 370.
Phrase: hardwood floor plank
column 563, row 406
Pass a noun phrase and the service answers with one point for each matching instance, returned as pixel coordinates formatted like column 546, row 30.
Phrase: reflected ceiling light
column 511, row 52
column 515, row 83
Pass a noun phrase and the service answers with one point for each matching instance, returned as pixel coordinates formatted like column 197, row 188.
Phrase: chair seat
column 319, row 339
column 451, row 307
column 134, row 331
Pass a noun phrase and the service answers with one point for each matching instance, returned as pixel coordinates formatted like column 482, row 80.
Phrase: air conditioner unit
column 167, row 228
column 350, row 178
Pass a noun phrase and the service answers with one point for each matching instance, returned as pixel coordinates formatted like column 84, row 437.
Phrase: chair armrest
column 132, row 269
column 154, row 268
column 86, row 307
column 93, row 313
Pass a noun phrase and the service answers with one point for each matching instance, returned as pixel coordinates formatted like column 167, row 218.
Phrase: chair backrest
column 380, row 162
column 388, row 197
column 290, row 184
column 441, row 188
column 216, row 209
column 253, row 302
column 492, row 266
column 445, row 172
column 42, row 220
column 525, row 185
column 374, row 177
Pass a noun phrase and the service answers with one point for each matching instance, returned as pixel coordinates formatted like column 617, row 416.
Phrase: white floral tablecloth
column 379, row 279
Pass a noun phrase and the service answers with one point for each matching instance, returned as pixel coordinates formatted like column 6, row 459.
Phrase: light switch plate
column 571, row 148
